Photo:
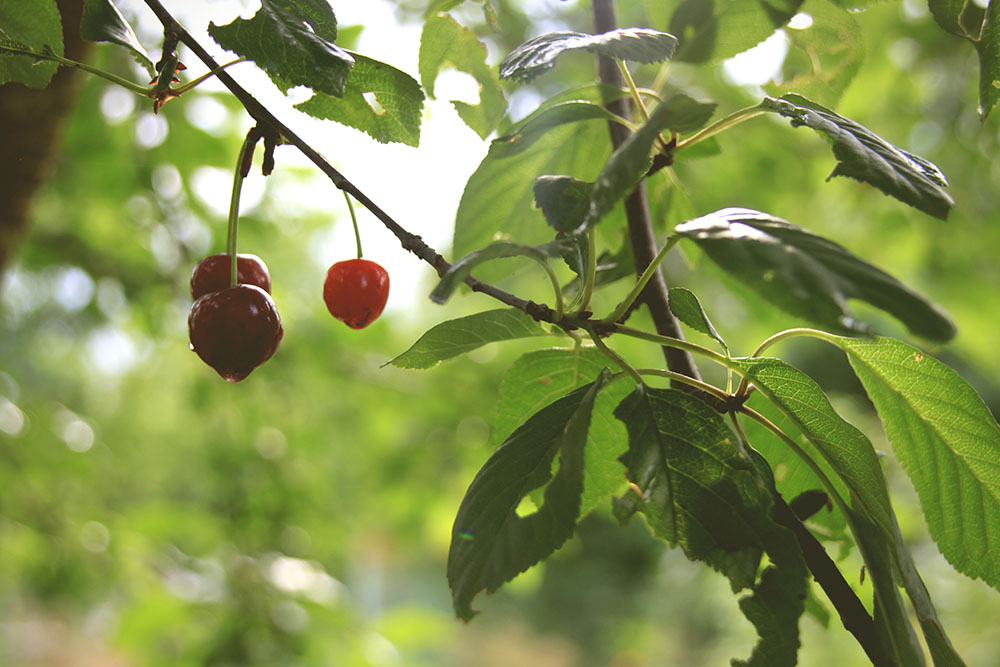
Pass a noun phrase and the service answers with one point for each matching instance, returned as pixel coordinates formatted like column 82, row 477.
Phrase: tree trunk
column 31, row 123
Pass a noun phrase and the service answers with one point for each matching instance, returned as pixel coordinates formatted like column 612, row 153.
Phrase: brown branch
column 640, row 224
column 411, row 242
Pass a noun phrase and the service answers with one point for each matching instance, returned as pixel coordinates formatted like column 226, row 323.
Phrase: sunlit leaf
column 393, row 112
column 34, row 24
column 490, row 543
column 807, row 275
column 948, row 442
column 539, row 53
column 293, row 41
column 834, row 47
column 459, row 336
column 445, row 43
column 713, row 31
column 866, row 157
column 102, row 22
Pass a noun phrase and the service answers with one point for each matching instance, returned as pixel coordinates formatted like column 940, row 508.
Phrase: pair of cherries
column 235, row 328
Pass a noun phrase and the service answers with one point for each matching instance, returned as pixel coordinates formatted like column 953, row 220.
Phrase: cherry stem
column 232, row 231
column 641, row 283
column 354, row 221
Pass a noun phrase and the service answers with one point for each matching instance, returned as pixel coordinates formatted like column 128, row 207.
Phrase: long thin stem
column 777, row 338
column 49, row 55
column 676, row 343
column 354, row 221
column 684, row 379
column 183, row 88
column 232, row 230
column 721, row 125
column 636, row 97
column 641, row 283
column 614, row 356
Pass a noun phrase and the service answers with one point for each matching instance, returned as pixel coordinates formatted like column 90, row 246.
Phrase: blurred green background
column 152, row 514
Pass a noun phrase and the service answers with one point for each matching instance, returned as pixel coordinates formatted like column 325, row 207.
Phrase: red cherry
column 234, row 330
column 355, row 291
column 212, row 273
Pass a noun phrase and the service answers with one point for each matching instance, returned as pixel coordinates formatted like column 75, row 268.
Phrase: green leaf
column 719, row 29
column 988, row 47
column 536, row 125
column 397, row 98
column 948, row 442
column 541, row 377
column 293, row 41
column 563, row 200
column 497, row 199
column 459, row 336
column 102, row 22
column 445, row 43
column 686, row 114
column 807, row 275
column 34, row 24
column 833, row 47
column 866, row 157
column 538, row 54
column 490, row 543
column 463, row 267
column 701, row 490
column 686, row 307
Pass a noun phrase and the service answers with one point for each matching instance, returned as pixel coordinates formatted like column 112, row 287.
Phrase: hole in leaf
column 374, row 103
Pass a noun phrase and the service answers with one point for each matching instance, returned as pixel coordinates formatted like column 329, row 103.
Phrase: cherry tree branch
column 640, row 224
column 411, row 242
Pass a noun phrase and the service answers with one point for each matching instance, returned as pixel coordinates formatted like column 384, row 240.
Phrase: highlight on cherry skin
column 355, row 291
column 213, row 273
column 235, row 330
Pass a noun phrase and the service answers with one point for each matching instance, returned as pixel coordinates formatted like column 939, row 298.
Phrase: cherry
column 355, row 291
column 212, row 273
column 234, row 330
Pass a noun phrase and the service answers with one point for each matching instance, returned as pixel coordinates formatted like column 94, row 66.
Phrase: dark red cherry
column 212, row 273
column 355, row 291
column 234, row 330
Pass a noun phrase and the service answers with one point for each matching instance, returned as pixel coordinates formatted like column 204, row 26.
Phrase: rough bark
column 31, row 123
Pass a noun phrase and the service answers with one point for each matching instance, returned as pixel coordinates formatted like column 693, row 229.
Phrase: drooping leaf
column 463, row 267
column 866, row 157
column 686, row 307
column 538, row 54
column 712, row 30
column 102, row 22
column 701, row 490
column 445, row 43
column 459, row 336
column 490, row 543
column 807, row 275
column 686, row 114
column 538, row 124
column 539, row 378
column 393, row 112
column 293, row 41
column 834, row 47
column 34, row 24
column 948, row 442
